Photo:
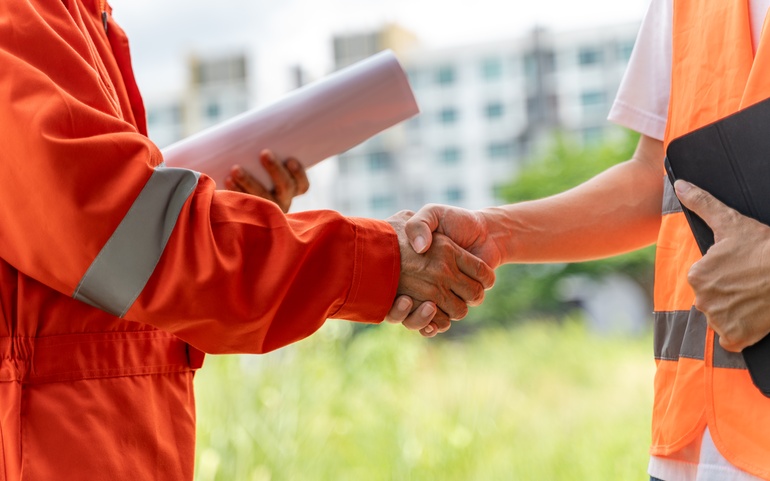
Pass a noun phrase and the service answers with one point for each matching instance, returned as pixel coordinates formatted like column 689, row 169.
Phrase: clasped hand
column 454, row 256
column 443, row 268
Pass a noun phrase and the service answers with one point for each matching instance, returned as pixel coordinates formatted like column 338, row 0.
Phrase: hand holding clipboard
column 730, row 160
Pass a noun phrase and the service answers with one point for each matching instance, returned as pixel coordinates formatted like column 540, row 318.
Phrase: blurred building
column 217, row 89
column 352, row 47
column 484, row 110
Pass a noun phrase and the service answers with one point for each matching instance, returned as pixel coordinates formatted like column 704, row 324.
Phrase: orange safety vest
column 699, row 384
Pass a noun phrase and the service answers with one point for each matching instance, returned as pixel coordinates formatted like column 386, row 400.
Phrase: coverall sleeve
column 88, row 209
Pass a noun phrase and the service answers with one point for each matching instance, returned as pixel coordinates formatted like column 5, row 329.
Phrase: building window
column 453, row 194
column 450, row 156
column 445, row 75
column 494, row 110
column 379, row 161
column 625, row 49
column 492, row 68
column 153, row 116
column 414, row 77
column 382, row 202
column 212, row 111
column 590, row 56
column 592, row 99
column 448, row 115
column 538, row 64
column 530, row 66
column 499, row 150
column 594, row 103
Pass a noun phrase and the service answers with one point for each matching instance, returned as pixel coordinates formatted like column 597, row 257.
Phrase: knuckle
column 477, row 296
column 459, row 311
column 694, row 276
column 433, row 292
column 729, row 343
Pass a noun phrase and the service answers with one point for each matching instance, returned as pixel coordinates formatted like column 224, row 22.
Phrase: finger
column 442, row 323
column 705, row 205
column 468, row 290
column 429, row 331
column 283, row 183
column 439, row 324
column 400, row 310
column 420, row 317
column 299, row 174
column 230, row 184
column 455, row 307
column 248, row 184
column 419, row 229
column 475, row 268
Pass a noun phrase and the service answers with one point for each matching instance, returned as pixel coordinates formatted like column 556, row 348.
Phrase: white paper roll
column 312, row 123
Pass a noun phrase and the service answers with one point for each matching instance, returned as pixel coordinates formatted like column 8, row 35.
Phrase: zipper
column 104, row 14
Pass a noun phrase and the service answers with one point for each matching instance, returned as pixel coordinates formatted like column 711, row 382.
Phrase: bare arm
column 616, row 211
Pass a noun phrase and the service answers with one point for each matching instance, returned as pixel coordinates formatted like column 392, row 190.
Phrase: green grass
column 535, row 402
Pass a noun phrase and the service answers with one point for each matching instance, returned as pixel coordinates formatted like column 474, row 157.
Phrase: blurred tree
column 524, row 291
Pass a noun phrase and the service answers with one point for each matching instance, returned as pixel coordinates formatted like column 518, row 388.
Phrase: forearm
column 617, row 211
column 239, row 276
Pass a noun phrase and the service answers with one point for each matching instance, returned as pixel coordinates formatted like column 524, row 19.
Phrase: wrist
column 496, row 225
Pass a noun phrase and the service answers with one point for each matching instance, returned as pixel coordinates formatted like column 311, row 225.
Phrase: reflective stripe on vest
column 671, row 203
column 683, row 333
column 121, row 270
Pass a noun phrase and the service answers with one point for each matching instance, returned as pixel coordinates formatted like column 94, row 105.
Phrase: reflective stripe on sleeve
column 683, row 334
column 120, row 271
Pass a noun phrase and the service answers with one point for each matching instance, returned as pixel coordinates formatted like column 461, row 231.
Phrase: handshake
column 448, row 257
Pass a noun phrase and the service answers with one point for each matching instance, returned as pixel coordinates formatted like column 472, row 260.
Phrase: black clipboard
column 730, row 159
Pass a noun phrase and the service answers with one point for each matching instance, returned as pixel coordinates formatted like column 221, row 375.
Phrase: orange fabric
column 714, row 74
column 678, row 408
column 84, row 395
column 676, row 251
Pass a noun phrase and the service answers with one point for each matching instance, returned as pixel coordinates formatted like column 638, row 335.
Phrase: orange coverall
column 116, row 273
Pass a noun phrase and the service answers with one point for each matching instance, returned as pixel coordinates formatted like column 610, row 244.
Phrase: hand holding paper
column 289, row 180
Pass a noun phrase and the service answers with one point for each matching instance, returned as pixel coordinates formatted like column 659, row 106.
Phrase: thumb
column 703, row 204
column 419, row 229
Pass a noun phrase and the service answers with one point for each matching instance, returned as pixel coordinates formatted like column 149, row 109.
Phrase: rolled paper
column 312, row 123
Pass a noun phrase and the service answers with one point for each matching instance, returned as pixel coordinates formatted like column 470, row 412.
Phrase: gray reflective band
column 680, row 334
column 671, row 204
column 120, row 271
column 683, row 334
column 727, row 359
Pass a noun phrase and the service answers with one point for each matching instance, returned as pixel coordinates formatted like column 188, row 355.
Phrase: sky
column 279, row 34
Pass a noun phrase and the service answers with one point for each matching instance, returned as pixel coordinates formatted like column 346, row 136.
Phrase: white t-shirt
column 642, row 105
column 642, row 100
